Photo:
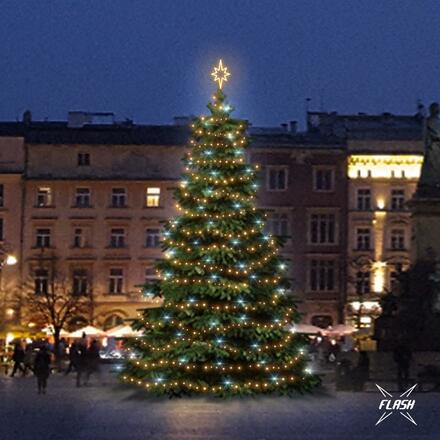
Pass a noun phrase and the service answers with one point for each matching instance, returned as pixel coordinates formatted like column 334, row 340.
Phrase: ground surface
column 106, row 412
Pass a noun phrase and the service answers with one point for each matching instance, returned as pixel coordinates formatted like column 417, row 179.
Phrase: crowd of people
column 40, row 358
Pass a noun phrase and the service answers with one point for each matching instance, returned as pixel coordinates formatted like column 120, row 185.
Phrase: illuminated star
column 220, row 74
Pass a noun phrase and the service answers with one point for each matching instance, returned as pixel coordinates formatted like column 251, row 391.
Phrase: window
column 79, row 238
column 397, row 239
column 82, row 197
column 322, row 229
column 116, row 281
column 363, row 199
column 152, row 197
column 278, row 224
column 83, row 159
column 322, row 321
column 2, row 195
column 277, row 178
column 80, row 282
column 41, row 280
column 112, row 321
column 150, row 274
column 76, row 323
column 119, row 197
column 397, row 199
column 42, row 238
column 2, row 228
column 395, row 274
column 322, row 275
column 363, row 239
column 362, row 282
column 44, row 196
column 152, row 238
column 117, row 237
column 323, row 179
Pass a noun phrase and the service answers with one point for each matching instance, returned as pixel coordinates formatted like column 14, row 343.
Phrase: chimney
column 27, row 117
column 293, row 127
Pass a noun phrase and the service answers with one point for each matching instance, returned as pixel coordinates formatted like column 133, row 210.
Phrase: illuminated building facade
column 95, row 196
column 384, row 158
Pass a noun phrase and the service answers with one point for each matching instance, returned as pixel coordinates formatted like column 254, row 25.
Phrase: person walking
column 28, row 359
column 402, row 356
column 81, row 362
column 17, row 358
column 42, row 369
column 93, row 360
column 74, row 354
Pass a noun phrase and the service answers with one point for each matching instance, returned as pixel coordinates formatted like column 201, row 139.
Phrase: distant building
column 93, row 194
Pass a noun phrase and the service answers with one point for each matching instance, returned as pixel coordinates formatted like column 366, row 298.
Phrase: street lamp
column 5, row 260
column 11, row 260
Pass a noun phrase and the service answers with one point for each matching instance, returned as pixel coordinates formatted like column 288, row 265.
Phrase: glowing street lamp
column 11, row 260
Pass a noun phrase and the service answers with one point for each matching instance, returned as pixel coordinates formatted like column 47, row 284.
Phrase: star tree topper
column 220, row 74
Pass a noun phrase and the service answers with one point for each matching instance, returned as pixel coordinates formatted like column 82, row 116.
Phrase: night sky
column 149, row 60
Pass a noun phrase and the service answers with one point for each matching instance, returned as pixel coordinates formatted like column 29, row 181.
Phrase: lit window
column 83, row 159
column 119, row 198
column 153, row 197
column 278, row 224
column 44, row 197
column 322, row 229
column 363, row 239
column 322, row 275
column 152, row 238
column 42, row 236
column 363, row 199
column 80, row 282
column 117, row 238
column 82, row 197
column 397, row 239
column 276, row 178
column 41, row 281
column 323, row 179
column 397, row 199
column 116, row 280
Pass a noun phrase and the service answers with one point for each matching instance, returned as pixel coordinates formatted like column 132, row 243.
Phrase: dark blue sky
column 149, row 60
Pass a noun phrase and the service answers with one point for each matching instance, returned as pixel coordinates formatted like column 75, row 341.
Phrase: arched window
column 113, row 321
column 322, row 321
column 76, row 323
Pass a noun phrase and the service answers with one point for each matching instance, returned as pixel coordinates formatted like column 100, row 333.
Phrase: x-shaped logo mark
column 388, row 412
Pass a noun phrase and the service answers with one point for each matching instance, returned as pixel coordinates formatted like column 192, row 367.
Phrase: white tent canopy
column 49, row 330
column 123, row 331
column 306, row 328
column 89, row 331
column 340, row 329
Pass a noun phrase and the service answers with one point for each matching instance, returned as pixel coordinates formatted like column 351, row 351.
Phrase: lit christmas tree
column 223, row 325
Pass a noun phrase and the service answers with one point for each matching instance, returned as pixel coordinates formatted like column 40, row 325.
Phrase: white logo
column 391, row 404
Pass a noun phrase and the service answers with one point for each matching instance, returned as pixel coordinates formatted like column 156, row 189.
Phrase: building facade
column 89, row 200
column 384, row 157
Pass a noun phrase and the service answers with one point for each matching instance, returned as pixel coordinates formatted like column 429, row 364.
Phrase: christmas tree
column 223, row 327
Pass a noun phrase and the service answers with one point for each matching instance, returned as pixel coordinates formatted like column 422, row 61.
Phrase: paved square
column 103, row 412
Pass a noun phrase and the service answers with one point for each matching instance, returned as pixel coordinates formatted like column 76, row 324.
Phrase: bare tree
column 50, row 298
